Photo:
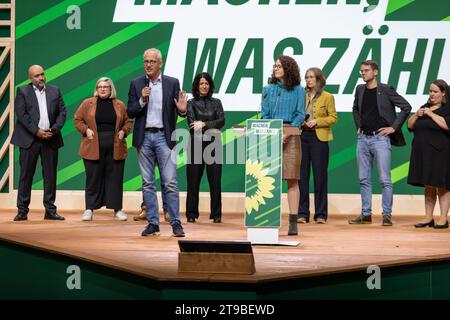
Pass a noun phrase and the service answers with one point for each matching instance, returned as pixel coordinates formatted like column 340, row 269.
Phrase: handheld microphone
column 147, row 84
column 307, row 117
column 305, row 120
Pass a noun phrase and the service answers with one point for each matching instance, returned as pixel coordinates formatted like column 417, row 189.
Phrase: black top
column 105, row 115
column 430, row 152
column 387, row 102
column 206, row 109
column 370, row 117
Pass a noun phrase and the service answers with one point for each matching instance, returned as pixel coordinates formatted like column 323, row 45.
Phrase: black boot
column 293, row 225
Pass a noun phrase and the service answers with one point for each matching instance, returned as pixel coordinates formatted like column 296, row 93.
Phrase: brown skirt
column 292, row 156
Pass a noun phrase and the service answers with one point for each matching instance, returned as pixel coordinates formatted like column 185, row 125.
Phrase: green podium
column 263, row 181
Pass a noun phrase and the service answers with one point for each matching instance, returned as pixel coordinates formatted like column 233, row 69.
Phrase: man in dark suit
column 378, row 127
column 155, row 101
column 40, row 113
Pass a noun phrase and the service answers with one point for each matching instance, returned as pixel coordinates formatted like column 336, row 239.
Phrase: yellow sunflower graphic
column 259, row 185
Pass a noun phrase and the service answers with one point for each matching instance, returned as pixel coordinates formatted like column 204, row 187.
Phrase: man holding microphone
column 155, row 101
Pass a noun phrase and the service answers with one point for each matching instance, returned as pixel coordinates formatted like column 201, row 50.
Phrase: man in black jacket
column 378, row 127
column 40, row 113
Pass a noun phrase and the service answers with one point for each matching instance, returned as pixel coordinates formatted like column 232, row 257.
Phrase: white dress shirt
column 44, row 122
column 154, row 109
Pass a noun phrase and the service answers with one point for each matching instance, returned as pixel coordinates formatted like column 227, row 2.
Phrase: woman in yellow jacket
column 316, row 132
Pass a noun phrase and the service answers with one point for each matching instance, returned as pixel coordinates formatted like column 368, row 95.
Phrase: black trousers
column 315, row 153
column 104, row 177
column 28, row 159
column 194, row 173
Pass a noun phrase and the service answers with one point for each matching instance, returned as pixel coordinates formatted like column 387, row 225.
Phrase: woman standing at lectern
column 284, row 98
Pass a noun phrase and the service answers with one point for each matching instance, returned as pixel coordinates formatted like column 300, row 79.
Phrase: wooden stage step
column 325, row 249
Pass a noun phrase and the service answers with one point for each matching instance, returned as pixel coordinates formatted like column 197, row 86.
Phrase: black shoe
column 387, row 222
column 53, row 216
column 423, row 225
column 190, row 219
column 293, row 230
column 217, row 220
column 151, row 230
column 362, row 219
column 441, row 226
column 21, row 217
column 177, row 230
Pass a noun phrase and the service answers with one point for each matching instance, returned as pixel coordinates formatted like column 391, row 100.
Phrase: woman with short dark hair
column 206, row 118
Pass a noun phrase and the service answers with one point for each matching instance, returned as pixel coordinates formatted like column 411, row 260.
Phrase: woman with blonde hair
column 316, row 132
column 103, row 123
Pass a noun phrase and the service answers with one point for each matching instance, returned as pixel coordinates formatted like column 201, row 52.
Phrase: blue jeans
column 376, row 148
column 154, row 151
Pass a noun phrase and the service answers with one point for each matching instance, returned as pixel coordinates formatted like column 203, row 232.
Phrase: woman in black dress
column 430, row 153
column 206, row 118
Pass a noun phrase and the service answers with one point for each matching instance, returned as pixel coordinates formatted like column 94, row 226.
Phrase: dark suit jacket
column 26, row 108
column 387, row 100
column 170, row 89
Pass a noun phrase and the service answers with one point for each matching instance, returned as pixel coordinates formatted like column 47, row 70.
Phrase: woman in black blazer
column 205, row 118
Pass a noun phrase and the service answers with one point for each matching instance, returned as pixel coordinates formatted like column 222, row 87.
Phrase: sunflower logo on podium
column 263, row 173
column 259, row 185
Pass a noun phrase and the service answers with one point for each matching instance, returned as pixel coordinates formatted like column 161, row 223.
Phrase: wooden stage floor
column 325, row 249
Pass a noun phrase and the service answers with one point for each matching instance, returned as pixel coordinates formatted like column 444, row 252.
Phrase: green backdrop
column 75, row 59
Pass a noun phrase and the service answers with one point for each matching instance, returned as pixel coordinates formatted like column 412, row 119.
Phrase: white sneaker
column 121, row 216
column 87, row 215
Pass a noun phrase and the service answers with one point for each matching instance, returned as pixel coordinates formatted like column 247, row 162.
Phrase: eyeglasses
column 150, row 62
column 277, row 66
column 103, row 87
